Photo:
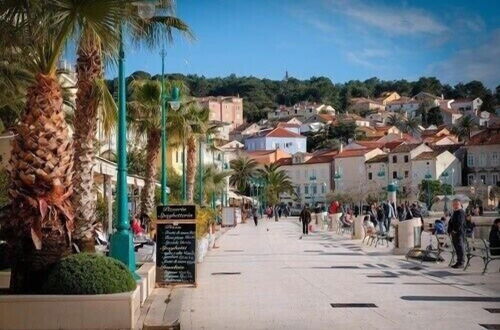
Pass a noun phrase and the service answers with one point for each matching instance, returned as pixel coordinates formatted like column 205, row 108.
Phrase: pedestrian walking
column 255, row 216
column 457, row 232
column 280, row 211
column 305, row 218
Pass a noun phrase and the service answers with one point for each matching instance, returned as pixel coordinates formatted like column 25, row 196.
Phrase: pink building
column 227, row 109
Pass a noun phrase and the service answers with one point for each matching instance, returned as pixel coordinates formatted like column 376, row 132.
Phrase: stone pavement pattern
column 287, row 283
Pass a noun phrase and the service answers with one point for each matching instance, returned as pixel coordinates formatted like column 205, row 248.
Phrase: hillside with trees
column 262, row 95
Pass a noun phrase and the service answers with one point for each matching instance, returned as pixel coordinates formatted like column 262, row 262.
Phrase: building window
column 323, row 189
column 482, row 159
column 407, row 174
column 470, row 160
column 494, row 179
column 314, row 189
column 406, row 158
column 395, row 175
column 483, row 178
column 369, row 176
column 494, row 158
column 306, row 190
column 394, row 159
column 470, row 179
column 298, row 190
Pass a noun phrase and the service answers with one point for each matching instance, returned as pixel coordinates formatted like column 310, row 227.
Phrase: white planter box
column 202, row 248
column 4, row 279
column 148, row 272
column 109, row 311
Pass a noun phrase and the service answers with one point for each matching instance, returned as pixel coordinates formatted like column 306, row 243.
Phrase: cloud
column 473, row 63
column 397, row 21
column 367, row 57
column 310, row 19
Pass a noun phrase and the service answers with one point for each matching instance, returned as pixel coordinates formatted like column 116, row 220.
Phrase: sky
column 340, row 39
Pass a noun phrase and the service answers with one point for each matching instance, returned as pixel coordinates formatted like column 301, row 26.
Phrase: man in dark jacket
column 305, row 218
column 457, row 233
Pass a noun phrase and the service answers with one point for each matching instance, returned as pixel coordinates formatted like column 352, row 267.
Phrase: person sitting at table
column 439, row 226
column 469, row 226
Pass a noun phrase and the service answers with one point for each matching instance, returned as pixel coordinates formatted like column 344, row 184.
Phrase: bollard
column 406, row 236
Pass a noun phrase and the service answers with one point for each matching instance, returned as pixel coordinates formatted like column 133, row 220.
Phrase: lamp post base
column 122, row 248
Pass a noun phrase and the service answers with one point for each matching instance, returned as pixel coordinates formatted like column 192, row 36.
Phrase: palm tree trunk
column 41, row 217
column 148, row 192
column 88, row 69
column 191, row 167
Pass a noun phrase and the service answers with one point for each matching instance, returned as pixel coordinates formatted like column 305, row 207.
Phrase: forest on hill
column 261, row 95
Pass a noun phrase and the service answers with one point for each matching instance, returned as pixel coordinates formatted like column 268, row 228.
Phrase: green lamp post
column 122, row 241
column 173, row 101
column 200, row 171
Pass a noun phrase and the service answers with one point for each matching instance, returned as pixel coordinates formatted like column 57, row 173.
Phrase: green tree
column 432, row 188
column 277, row 182
column 463, row 128
column 434, row 117
column 244, row 169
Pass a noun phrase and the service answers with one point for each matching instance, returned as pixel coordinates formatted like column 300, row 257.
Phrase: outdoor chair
column 444, row 245
column 381, row 237
column 369, row 237
column 478, row 247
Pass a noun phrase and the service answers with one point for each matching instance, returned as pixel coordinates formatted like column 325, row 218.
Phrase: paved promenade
column 265, row 277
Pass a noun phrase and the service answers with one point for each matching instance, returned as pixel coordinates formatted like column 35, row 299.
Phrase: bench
column 478, row 247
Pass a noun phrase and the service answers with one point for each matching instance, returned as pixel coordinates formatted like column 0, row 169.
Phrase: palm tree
column 40, row 223
column 277, row 182
column 463, row 128
column 244, row 169
column 411, row 125
column 214, row 181
column 145, row 120
column 198, row 120
column 396, row 119
column 99, row 38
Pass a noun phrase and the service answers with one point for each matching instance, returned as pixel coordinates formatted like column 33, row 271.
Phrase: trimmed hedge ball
column 87, row 273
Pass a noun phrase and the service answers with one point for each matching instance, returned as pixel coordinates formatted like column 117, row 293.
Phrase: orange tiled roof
column 488, row 136
column 353, row 153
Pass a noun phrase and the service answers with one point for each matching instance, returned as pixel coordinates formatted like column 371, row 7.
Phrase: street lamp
column 122, row 241
column 174, row 103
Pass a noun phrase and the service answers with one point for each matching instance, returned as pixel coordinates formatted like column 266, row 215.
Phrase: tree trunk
column 88, row 69
column 41, row 217
column 148, row 191
column 191, row 167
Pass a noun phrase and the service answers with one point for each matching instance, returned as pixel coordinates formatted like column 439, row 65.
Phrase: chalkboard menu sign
column 176, row 212
column 176, row 253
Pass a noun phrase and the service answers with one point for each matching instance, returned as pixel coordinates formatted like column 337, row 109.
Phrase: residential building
column 439, row 164
column 311, row 175
column 266, row 157
column 302, row 109
column 350, row 165
column 400, row 161
column 294, row 128
column 483, row 157
column 438, row 136
column 363, row 104
column 428, row 99
column 450, row 116
column 376, row 174
column 243, row 131
column 405, row 105
column 277, row 138
column 387, row 97
column 467, row 106
column 227, row 109
column 316, row 122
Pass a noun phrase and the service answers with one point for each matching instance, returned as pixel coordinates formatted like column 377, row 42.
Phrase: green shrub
column 87, row 273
